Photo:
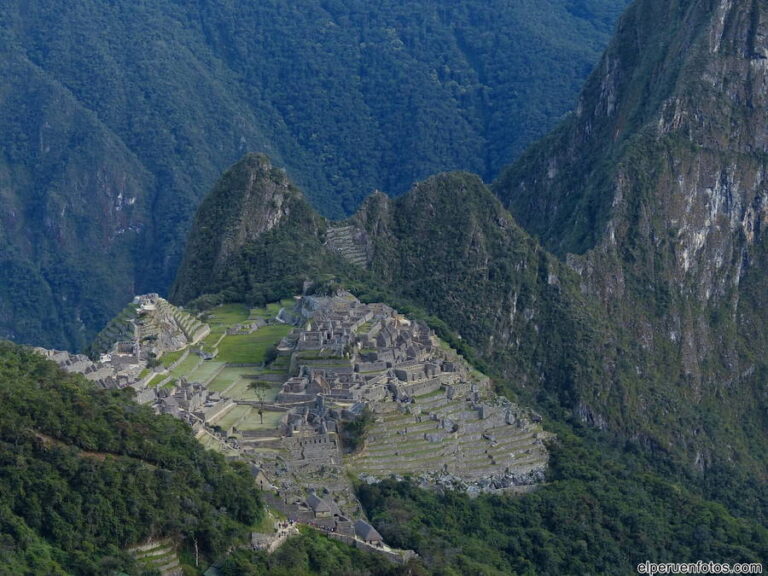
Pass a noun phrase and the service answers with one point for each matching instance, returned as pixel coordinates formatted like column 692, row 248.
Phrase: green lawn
column 170, row 384
column 209, row 342
column 223, row 317
column 281, row 364
column 155, row 380
column 206, row 370
column 170, row 357
column 228, row 314
column 251, row 348
column 187, row 366
column 227, row 377
column 243, row 391
column 253, row 422
column 232, row 417
column 272, row 309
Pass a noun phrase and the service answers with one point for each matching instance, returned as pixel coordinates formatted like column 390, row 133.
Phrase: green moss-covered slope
column 85, row 474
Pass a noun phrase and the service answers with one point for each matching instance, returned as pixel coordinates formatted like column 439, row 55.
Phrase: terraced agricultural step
column 160, row 556
column 152, row 553
column 349, row 243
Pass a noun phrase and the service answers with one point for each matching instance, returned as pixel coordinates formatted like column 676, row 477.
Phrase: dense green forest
column 86, row 473
column 122, row 114
column 314, row 554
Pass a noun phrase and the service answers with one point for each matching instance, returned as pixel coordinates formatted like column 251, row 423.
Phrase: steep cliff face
column 657, row 182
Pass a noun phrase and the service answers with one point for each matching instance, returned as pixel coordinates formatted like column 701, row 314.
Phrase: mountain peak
column 251, row 199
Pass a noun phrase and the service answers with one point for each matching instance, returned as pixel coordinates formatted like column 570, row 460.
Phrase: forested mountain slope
column 120, row 115
column 657, row 183
column 85, row 474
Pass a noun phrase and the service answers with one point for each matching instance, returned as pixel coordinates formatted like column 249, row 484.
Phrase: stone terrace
column 349, row 242
column 491, row 446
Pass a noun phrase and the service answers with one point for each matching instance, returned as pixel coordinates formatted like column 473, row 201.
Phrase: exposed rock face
column 259, row 204
column 659, row 182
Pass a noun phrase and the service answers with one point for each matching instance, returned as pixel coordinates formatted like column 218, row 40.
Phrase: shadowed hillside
column 120, row 116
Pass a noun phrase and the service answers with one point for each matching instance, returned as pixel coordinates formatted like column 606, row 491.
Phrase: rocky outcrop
column 259, row 201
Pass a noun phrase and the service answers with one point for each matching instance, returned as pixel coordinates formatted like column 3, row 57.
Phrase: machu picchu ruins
column 281, row 388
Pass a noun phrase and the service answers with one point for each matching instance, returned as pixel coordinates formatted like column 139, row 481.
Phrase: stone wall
column 394, row 556
column 421, row 387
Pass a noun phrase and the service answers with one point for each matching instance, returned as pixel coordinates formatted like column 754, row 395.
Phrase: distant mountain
column 118, row 117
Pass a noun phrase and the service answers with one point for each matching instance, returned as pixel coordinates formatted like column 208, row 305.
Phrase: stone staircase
column 349, row 242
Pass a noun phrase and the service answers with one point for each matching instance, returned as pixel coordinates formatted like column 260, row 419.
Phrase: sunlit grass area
column 251, row 348
column 252, row 421
column 206, row 370
column 227, row 377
